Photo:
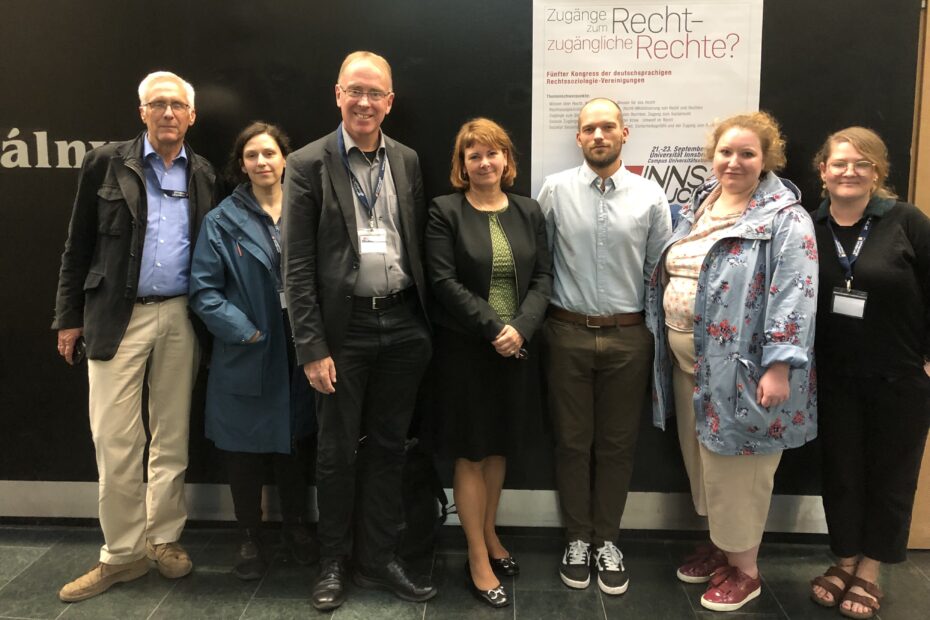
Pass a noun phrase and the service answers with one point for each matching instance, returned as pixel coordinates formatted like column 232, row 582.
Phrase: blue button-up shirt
column 166, row 263
column 604, row 241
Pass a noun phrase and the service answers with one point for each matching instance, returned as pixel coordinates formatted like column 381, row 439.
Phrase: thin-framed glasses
column 358, row 93
column 161, row 106
column 861, row 167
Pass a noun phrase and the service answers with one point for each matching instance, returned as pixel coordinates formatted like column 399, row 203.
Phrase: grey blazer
column 320, row 254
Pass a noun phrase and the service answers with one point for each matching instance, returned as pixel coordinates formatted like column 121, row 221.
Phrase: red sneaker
column 729, row 589
column 701, row 564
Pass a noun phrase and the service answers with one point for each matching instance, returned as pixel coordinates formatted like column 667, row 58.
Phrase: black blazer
column 458, row 262
column 320, row 254
column 102, row 258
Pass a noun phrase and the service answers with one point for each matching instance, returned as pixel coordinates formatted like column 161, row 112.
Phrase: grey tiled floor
column 36, row 561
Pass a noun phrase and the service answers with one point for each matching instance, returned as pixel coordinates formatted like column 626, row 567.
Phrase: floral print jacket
column 755, row 305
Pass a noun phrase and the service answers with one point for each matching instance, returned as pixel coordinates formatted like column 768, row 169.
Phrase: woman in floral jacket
column 732, row 306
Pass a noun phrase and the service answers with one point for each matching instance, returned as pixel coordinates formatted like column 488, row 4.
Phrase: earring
column 463, row 174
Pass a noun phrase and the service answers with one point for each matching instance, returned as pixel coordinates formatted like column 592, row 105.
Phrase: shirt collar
column 350, row 143
column 148, row 151
column 877, row 207
column 589, row 176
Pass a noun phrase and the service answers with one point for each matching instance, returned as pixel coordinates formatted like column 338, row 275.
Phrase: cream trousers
column 161, row 338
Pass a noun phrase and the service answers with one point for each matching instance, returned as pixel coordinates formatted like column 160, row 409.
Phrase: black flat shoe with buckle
column 496, row 597
column 505, row 566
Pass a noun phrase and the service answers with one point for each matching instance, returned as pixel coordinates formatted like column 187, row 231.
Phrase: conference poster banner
column 674, row 67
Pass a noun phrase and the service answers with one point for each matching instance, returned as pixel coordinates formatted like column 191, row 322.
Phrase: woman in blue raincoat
column 258, row 401
column 732, row 305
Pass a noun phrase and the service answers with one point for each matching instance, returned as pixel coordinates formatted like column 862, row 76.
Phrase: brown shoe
column 99, row 579
column 171, row 558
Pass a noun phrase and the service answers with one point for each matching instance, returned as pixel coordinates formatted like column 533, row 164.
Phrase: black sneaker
column 611, row 574
column 575, row 569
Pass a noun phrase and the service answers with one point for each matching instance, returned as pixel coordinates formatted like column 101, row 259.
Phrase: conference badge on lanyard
column 372, row 240
column 848, row 301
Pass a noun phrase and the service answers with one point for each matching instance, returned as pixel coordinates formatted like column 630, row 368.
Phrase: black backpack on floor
column 425, row 503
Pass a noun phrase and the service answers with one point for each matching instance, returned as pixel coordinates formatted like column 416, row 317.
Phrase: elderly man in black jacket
column 122, row 289
column 354, row 216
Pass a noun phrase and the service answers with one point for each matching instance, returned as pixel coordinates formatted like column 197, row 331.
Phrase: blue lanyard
column 356, row 186
column 274, row 231
column 847, row 262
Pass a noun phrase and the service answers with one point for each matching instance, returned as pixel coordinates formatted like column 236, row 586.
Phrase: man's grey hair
column 156, row 76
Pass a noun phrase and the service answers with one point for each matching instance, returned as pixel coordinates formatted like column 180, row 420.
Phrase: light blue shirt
column 604, row 243
column 166, row 262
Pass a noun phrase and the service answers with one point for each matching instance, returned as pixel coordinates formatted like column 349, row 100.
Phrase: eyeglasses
column 358, row 93
column 838, row 166
column 161, row 106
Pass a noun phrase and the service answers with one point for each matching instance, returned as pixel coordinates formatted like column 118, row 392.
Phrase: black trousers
column 872, row 433
column 378, row 372
column 246, row 471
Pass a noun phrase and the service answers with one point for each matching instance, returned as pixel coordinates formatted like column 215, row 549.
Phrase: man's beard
column 601, row 161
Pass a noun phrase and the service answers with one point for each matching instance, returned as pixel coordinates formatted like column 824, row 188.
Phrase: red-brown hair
column 487, row 132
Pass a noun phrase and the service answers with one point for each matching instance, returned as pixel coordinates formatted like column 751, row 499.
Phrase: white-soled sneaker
column 575, row 569
column 612, row 577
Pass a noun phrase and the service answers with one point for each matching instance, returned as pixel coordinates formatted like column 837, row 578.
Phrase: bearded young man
column 606, row 228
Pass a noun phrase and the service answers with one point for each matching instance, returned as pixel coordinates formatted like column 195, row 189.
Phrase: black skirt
column 482, row 400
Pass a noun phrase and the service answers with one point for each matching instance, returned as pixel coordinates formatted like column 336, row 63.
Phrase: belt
column 385, row 301
column 625, row 319
column 154, row 299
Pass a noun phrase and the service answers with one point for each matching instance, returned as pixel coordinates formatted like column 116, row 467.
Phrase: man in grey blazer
column 354, row 216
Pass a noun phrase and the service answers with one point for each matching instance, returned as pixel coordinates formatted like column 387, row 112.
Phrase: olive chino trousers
column 598, row 380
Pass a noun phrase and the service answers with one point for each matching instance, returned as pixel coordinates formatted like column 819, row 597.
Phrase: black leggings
column 246, row 472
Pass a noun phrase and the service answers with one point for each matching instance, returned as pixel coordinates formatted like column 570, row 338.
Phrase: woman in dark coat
column 258, row 402
column 873, row 342
column 488, row 262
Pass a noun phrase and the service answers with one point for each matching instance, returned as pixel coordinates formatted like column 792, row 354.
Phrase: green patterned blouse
column 502, row 295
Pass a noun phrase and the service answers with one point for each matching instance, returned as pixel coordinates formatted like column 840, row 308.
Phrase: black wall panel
column 70, row 70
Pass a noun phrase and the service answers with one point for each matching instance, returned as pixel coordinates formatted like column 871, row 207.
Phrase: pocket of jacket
column 92, row 280
column 748, row 410
column 240, row 367
column 111, row 210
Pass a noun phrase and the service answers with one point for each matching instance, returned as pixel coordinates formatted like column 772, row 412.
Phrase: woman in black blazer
column 488, row 262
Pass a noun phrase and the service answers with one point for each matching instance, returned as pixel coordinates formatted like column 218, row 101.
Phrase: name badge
column 283, row 300
column 372, row 240
column 849, row 303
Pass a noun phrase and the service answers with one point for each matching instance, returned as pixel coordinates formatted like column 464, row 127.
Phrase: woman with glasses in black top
column 872, row 343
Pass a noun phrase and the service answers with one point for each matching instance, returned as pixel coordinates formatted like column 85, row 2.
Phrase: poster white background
column 674, row 67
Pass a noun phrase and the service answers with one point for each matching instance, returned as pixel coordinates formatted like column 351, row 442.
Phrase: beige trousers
column 733, row 491
column 159, row 336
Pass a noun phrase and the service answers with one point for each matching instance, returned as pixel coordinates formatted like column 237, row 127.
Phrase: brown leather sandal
column 871, row 602
column 834, row 571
